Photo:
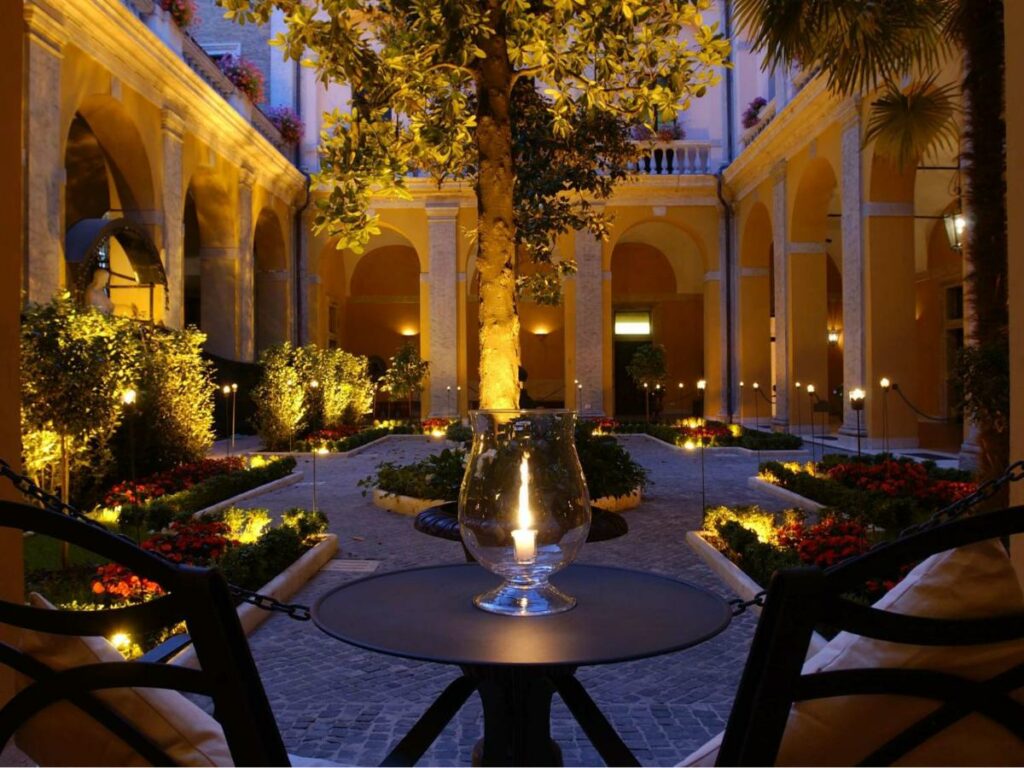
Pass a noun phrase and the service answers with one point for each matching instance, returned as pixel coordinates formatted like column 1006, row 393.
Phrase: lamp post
column 797, row 385
column 811, row 397
column 681, row 400
column 314, row 448
column 701, row 386
column 857, row 403
column 647, row 404
column 226, row 391
column 886, row 385
column 234, row 400
column 757, row 417
column 128, row 399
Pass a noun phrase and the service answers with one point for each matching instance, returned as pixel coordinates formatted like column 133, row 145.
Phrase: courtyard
column 350, row 706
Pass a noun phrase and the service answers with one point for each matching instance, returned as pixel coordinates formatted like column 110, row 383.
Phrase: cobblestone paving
column 351, row 706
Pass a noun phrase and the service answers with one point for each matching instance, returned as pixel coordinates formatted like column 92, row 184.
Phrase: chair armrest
column 166, row 649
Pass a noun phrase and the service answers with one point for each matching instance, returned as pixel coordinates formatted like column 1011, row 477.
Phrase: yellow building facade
column 784, row 255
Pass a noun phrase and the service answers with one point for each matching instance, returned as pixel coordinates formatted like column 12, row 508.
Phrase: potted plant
column 245, row 75
column 753, row 112
column 288, row 124
column 182, row 12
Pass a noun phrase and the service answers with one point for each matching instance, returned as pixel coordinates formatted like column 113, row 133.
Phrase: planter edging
column 783, row 494
column 410, row 506
column 738, row 581
column 718, row 449
column 629, row 500
column 273, row 485
column 282, row 587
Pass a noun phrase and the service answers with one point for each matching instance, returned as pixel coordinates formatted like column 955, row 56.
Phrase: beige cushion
column 64, row 735
column 976, row 581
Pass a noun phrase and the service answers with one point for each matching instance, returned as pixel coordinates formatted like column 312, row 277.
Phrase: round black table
column 517, row 663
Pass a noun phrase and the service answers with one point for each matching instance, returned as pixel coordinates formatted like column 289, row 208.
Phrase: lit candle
column 523, row 537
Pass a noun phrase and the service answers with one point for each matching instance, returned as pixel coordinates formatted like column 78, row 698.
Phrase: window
column 955, row 302
column 633, row 323
column 217, row 51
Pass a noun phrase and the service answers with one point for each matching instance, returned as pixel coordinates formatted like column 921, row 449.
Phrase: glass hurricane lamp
column 524, row 511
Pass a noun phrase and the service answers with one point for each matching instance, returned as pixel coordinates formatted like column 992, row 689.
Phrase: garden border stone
column 630, row 500
column 738, row 581
column 410, row 506
column 273, row 485
column 728, row 450
column 282, row 587
column 784, row 494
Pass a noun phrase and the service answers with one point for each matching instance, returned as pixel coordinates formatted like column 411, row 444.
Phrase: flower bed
column 886, row 493
column 761, row 542
column 242, row 543
column 187, row 489
column 689, row 433
column 356, row 439
column 607, row 466
column 245, row 75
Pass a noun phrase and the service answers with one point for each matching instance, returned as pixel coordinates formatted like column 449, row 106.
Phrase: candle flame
column 525, row 519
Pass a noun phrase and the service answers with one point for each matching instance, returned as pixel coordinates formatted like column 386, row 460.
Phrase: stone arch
column 756, row 302
column 382, row 297
column 271, row 281
column 814, row 291
column 669, row 236
column 124, row 152
column 659, row 268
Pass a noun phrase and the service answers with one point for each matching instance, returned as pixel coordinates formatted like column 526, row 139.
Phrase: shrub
column 756, row 440
column 607, row 466
column 175, row 402
column 435, row 477
column 253, row 565
column 307, row 523
column 344, row 392
column 405, row 375
column 244, row 525
column 757, row 558
column 179, row 478
column 288, row 124
column 280, row 398
column 220, row 487
column 245, row 75
column 459, row 433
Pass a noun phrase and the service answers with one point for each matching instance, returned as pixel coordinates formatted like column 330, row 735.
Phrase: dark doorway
column 629, row 398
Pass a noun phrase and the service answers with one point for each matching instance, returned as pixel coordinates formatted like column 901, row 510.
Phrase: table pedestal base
column 517, row 715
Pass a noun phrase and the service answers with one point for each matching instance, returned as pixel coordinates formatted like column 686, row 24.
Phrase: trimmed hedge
column 215, row 489
column 360, row 438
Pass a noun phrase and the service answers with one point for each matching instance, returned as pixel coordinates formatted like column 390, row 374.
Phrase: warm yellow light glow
column 523, row 537
column 689, row 445
column 702, row 385
column 322, row 450
column 735, row 430
column 833, row 336
column 810, row 389
column 226, row 389
column 960, row 222
column 756, row 385
column 409, row 332
column 128, row 397
column 314, row 384
column 540, row 330
column 797, row 385
column 681, row 385
column 857, row 394
column 121, row 640
column 885, row 383
column 234, row 387
column 632, row 324
column 436, row 432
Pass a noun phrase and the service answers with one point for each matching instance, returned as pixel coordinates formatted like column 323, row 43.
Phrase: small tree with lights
column 404, row 377
column 647, row 369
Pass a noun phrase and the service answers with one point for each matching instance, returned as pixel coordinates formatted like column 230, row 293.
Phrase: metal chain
column 51, row 503
column 740, row 607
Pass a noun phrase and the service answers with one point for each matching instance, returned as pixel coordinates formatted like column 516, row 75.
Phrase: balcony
column 677, row 157
column 179, row 41
column 767, row 114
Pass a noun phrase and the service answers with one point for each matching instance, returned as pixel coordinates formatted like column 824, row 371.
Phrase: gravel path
column 351, row 706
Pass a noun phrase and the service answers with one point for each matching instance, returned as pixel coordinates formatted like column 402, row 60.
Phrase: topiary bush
column 607, row 466
column 309, row 524
column 280, row 398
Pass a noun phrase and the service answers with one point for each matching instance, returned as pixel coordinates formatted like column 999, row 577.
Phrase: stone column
column 218, row 273
column 172, row 128
column 780, row 246
column 808, row 318
column 852, row 194
column 442, row 231
column 245, row 287
column 44, row 164
column 589, row 324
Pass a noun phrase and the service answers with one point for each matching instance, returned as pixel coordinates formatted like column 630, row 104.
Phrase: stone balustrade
column 678, row 157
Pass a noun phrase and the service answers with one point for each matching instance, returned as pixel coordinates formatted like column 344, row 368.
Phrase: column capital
column 441, row 209
column 45, row 26
column 171, row 123
column 778, row 172
column 246, row 177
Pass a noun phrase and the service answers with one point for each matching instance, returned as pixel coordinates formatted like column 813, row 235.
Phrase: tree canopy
column 432, row 92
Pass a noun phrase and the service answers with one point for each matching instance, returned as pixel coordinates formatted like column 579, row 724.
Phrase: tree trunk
column 499, row 318
column 982, row 31
column 65, row 496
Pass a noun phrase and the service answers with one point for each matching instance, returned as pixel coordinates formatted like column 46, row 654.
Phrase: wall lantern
column 833, row 337
column 956, row 225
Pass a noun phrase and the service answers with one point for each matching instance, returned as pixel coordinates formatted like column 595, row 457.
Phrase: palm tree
column 874, row 47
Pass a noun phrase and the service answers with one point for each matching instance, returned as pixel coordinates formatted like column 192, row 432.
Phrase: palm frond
column 907, row 123
column 860, row 44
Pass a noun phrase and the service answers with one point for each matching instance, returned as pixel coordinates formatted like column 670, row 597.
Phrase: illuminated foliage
column 405, row 374
column 447, row 70
column 280, row 397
